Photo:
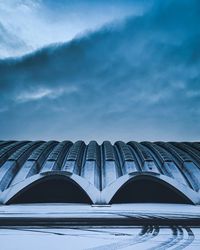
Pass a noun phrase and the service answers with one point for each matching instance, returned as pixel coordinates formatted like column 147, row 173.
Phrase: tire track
column 188, row 241
column 176, row 238
column 146, row 233
column 172, row 240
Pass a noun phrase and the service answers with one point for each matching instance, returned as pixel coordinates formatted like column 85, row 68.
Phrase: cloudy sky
column 109, row 69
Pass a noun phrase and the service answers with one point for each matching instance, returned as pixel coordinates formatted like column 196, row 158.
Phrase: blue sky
column 116, row 70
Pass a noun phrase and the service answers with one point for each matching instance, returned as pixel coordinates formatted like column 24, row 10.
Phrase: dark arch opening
column 52, row 190
column 148, row 190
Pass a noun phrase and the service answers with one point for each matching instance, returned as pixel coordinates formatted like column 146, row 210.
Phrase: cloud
column 40, row 93
column 9, row 43
column 136, row 79
column 32, row 24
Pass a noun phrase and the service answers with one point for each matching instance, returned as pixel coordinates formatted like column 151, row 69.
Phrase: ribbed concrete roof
column 38, row 171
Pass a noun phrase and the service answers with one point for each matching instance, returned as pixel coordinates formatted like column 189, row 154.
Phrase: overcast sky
column 115, row 70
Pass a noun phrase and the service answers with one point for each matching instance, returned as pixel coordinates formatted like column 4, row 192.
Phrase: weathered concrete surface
column 166, row 172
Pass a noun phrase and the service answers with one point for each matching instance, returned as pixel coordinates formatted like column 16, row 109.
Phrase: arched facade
column 43, row 172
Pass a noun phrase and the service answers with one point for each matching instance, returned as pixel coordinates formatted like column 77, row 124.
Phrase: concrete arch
column 54, row 186
column 120, row 190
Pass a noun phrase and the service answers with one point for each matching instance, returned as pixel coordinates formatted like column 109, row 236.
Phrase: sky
column 100, row 70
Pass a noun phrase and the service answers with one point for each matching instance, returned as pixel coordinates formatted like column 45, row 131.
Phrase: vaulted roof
column 39, row 171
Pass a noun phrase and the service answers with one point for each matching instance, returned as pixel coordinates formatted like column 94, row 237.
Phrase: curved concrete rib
column 182, row 190
column 87, row 188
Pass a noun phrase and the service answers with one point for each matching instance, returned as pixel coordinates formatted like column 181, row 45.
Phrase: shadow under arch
column 49, row 188
column 150, row 188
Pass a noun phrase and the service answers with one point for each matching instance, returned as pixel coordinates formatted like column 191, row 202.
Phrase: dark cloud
column 137, row 79
column 38, row 23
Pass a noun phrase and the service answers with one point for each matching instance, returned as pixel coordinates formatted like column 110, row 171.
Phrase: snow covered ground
column 50, row 226
column 100, row 238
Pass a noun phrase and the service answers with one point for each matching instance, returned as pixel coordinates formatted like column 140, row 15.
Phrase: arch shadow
column 49, row 188
column 149, row 188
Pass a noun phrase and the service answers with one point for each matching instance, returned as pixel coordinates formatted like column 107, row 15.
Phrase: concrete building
column 145, row 187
